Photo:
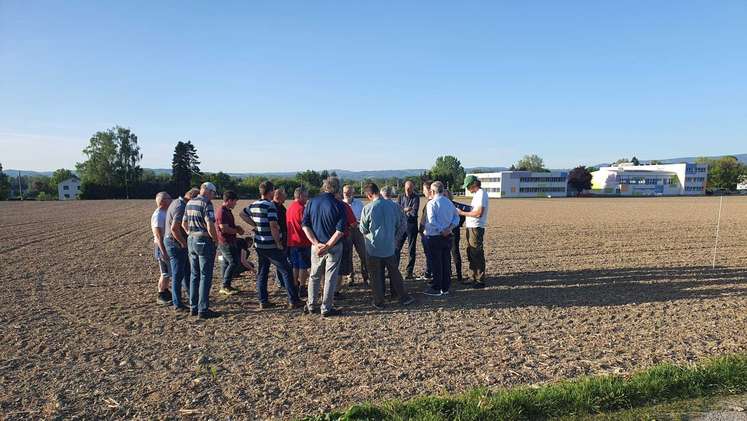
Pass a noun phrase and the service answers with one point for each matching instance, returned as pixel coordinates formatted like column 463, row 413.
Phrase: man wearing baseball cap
column 476, row 222
column 199, row 224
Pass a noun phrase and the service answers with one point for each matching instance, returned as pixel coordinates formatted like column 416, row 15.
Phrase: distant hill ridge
column 362, row 175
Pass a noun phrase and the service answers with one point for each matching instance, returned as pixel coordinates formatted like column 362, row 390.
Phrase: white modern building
column 651, row 180
column 524, row 184
column 69, row 189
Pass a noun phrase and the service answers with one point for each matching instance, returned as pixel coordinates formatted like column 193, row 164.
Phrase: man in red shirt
column 299, row 246
column 227, row 230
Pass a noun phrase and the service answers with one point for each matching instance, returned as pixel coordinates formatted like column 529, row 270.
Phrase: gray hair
column 300, row 190
column 331, row 185
column 389, row 192
column 438, row 187
column 161, row 196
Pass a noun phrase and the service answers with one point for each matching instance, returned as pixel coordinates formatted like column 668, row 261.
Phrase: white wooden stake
column 718, row 227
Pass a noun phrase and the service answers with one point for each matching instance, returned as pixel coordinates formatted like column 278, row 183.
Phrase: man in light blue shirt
column 441, row 219
column 380, row 223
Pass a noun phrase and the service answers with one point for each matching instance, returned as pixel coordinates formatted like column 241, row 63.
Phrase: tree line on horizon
column 112, row 170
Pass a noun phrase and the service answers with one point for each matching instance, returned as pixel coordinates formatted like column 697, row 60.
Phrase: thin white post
column 718, row 228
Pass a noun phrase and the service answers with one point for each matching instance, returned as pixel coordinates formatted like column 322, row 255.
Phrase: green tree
column 4, row 184
column 59, row 176
column 310, row 178
column 635, row 161
column 579, row 179
column 724, row 172
column 222, row 181
column 531, row 163
column 112, row 167
column 127, row 159
column 184, row 166
column 449, row 171
column 621, row 161
column 101, row 154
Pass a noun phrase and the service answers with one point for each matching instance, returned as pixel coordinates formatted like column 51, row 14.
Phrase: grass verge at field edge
column 583, row 396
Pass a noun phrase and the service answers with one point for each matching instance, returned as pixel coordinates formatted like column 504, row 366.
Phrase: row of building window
column 643, row 180
column 490, row 180
column 693, row 188
column 68, row 187
column 542, row 190
column 492, row 189
column 543, row 179
column 692, row 170
column 695, row 180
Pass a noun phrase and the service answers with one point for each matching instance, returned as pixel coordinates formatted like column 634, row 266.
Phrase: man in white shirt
column 158, row 226
column 476, row 222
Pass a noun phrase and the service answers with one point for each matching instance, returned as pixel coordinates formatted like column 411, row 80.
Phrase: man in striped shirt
column 263, row 216
column 199, row 224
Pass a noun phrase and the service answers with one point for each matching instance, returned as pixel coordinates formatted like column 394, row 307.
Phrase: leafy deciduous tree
column 531, row 163
column 449, row 171
column 579, row 179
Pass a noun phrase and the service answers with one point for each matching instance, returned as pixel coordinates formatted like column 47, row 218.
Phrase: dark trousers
column 277, row 258
column 456, row 254
column 476, row 253
column 411, row 236
column 427, row 253
column 359, row 244
column 376, row 268
column 440, row 251
column 346, row 266
column 229, row 267
column 278, row 276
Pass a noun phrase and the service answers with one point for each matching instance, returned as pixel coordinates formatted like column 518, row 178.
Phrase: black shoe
column 432, row 292
column 306, row 310
column 407, row 301
column 332, row 313
column 164, row 298
column 479, row 285
column 265, row 306
column 409, row 276
column 209, row 314
column 180, row 309
column 378, row 306
column 297, row 304
column 193, row 312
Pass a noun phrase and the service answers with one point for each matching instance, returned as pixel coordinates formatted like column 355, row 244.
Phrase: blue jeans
column 229, row 267
column 440, row 252
column 277, row 258
column 201, row 261
column 179, row 260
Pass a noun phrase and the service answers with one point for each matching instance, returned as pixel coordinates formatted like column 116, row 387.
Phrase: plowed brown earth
column 576, row 287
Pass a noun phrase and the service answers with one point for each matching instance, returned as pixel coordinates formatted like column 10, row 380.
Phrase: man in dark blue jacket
column 324, row 223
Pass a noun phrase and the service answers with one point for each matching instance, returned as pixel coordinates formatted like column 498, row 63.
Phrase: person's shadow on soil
column 585, row 288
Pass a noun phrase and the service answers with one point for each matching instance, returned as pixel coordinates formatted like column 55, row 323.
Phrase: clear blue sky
column 282, row 85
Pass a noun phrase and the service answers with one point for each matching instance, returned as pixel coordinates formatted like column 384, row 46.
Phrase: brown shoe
column 297, row 304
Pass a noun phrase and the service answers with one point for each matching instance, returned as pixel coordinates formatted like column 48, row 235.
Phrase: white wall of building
column 651, row 180
column 69, row 189
column 524, row 184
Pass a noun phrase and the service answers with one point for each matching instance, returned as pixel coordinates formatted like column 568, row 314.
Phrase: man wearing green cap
column 476, row 222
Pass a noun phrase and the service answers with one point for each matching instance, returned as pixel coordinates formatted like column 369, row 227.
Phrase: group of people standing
column 311, row 244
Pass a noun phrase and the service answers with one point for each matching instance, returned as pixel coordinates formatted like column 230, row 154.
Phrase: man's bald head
column 163, row 199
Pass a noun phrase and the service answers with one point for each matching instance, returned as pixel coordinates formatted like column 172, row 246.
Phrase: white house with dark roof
column 69, row 189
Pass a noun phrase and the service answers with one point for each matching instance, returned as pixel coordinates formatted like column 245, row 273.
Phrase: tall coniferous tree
column 184, row 166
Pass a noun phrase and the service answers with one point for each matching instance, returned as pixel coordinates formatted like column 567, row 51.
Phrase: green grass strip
column 583, row 396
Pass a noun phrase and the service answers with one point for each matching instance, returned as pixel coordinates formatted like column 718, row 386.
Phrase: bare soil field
column 576, row 287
